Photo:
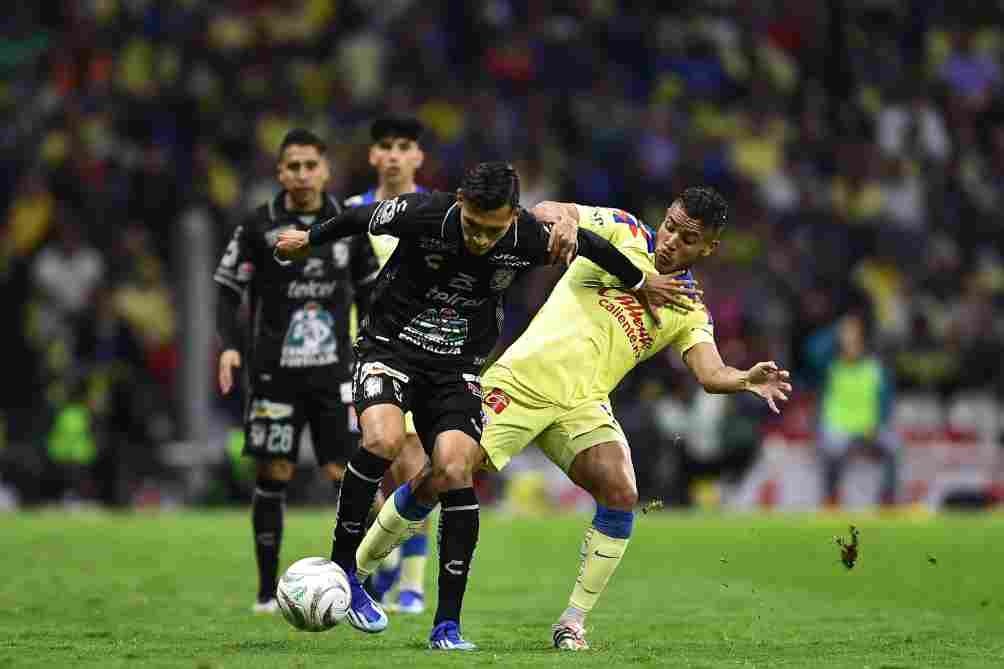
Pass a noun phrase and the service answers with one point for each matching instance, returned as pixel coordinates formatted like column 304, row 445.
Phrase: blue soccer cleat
column 446, row 636
column 410, row 602
column 383, row 581
column 364, row 614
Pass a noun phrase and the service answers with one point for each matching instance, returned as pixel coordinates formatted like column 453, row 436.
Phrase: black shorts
column 439, row 400
column 281, row 405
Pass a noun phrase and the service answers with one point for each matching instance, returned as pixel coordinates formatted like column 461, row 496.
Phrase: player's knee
column 622, row 496
column 452, row 475
column 276, row 470
column 385, row 444
column 406, row 466
column 451, row 469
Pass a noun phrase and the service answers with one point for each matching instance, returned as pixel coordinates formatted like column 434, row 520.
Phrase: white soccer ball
column 314, row 594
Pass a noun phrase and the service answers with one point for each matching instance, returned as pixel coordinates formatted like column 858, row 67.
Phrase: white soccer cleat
column 569, row 635
column 270, row 607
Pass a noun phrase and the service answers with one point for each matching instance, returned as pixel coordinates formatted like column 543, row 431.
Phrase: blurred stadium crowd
column 860, row 142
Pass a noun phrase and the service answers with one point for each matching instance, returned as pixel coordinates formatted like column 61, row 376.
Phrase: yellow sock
column 600, row 556
column 392, row 560
column 413, row 565
column 388, row 530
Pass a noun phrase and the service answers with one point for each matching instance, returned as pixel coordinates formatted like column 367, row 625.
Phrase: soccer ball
column 314, row 594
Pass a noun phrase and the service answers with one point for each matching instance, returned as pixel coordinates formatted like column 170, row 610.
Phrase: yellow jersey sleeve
column 696, row 327
column 623, row 230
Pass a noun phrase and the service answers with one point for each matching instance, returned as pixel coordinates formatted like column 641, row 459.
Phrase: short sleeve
column 237, row 266
column 697, row 328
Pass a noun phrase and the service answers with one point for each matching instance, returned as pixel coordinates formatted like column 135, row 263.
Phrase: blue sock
column 408, row 505
column 615, row 524
column 415, row 546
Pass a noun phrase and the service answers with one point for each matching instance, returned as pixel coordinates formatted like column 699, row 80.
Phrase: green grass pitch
column 174, row 590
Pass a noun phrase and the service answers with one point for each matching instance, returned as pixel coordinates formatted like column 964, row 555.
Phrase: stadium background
column 860, row 143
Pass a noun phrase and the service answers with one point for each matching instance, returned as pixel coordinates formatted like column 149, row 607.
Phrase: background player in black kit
column 435, row 316
column 299, row 352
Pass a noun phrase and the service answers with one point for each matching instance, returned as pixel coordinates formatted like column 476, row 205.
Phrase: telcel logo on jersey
column 454, row 299
column 508, row 260
column 630, row 314
column 310, row 290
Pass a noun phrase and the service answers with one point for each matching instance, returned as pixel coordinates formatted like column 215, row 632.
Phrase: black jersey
column 299, row 311
column 436, row 301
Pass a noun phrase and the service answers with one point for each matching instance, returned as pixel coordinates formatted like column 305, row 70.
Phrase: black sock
column 362, row 478
column 458, row 535
column 266, row 520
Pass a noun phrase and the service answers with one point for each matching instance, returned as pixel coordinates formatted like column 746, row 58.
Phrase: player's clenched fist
column 292, row 245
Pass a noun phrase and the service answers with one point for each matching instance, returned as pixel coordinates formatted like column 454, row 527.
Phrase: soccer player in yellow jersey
column 396, row 155
column 552, row 385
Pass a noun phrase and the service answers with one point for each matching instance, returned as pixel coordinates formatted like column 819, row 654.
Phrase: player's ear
column 326, row 165
column 373, row 156
column 419, row 158
column 460, row 197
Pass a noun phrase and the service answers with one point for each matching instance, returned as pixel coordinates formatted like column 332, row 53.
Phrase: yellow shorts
column 409, row 424
column 512, row 423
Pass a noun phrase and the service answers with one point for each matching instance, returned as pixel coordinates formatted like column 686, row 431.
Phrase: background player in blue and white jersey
column 396, row 155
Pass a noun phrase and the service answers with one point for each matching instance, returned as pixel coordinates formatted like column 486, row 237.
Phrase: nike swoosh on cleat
column 609, row 557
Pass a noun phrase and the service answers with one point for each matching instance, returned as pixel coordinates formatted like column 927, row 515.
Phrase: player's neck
column 314, row 205
column 387, row 191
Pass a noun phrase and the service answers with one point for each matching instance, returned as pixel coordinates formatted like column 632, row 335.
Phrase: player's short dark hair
column 406, row 127
column 302, row 137
column 706, row 205
column 490, row 186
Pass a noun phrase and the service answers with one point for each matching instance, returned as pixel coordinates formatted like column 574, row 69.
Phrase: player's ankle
column 573, row 614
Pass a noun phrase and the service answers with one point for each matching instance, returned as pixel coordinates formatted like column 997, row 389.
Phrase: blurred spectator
column 66, row 273
column 855, row 407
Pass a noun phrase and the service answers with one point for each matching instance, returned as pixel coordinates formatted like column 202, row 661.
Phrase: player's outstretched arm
column 765, row 379
column 295, row 244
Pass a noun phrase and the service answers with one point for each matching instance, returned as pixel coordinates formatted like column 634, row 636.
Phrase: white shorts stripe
column 469, row 507
column 365, row 478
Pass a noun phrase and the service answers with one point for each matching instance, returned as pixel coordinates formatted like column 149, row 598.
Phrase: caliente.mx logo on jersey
column 310, row 340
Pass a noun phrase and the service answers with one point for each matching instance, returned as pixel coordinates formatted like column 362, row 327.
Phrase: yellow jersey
column 591, row 331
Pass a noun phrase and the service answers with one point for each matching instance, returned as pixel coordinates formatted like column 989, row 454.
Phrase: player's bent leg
column 410, row 595
column 605, row 470
column 267, row 506
column 400, row 515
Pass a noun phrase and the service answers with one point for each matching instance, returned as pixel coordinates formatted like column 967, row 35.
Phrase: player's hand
column 229, row 359
column 564, row 241
column 661, row 290
column 770, row 382
column 292, row 245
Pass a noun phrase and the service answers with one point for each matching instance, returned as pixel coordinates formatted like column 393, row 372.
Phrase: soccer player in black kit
column 435, row 315
column 299, row 357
